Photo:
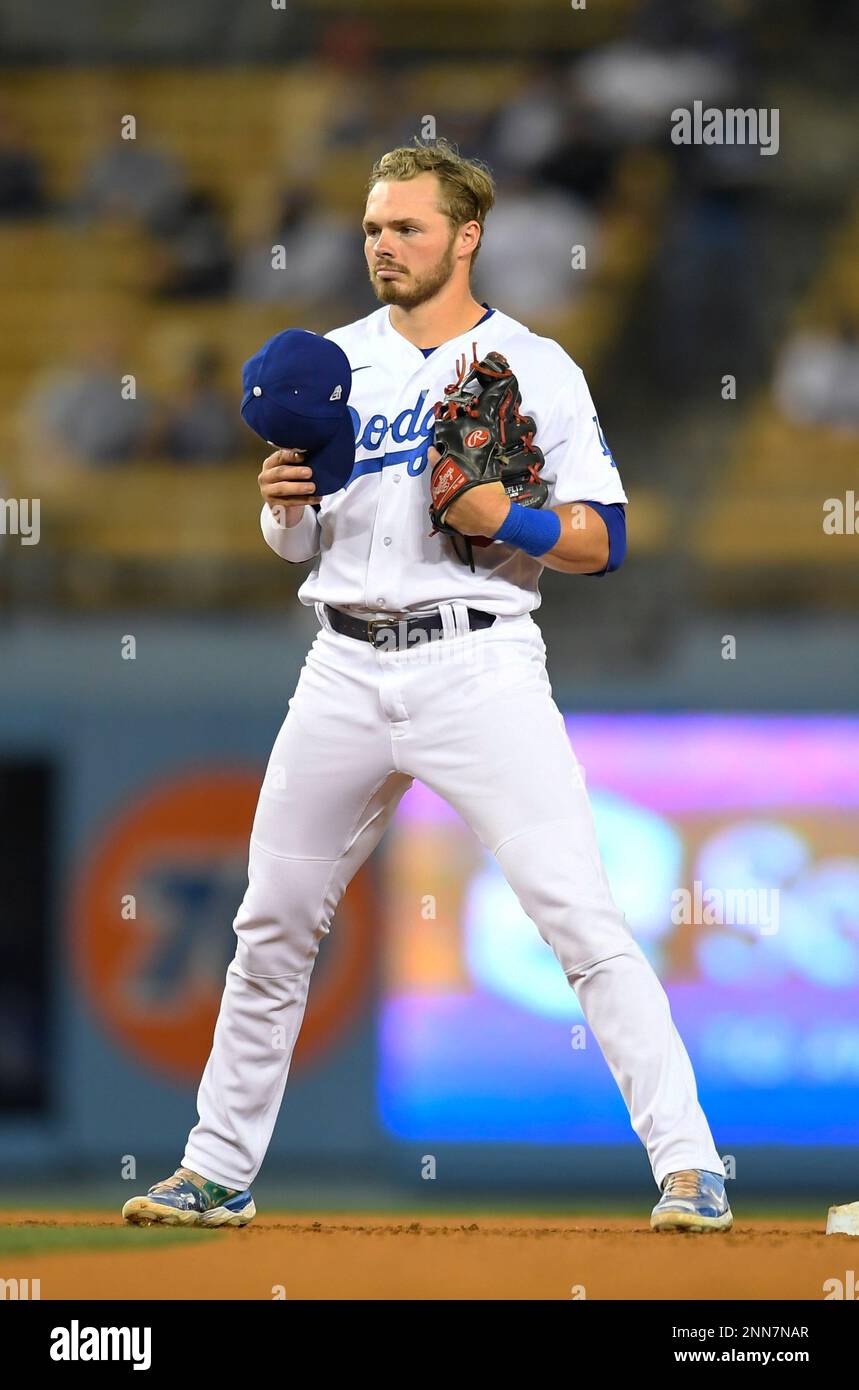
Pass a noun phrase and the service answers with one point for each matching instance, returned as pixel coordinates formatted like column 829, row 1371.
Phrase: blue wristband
column 529, row 528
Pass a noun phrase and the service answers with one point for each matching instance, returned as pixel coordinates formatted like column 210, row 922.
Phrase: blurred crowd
column 554, row 144
column 78, row 414
column 817, row 376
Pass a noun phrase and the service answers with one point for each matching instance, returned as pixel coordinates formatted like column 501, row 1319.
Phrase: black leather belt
column 395, row 632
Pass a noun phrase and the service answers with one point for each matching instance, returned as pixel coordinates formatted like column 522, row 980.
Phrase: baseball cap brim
column 332, row 464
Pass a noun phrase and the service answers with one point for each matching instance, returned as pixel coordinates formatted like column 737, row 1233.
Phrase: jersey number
column 606, row 450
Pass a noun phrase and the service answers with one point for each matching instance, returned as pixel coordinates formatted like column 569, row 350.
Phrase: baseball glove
column 482, row 437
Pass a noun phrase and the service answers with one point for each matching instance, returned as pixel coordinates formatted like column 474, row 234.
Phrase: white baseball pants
column 472, row 716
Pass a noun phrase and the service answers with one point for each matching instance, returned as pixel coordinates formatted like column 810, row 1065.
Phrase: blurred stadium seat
column 766, row 509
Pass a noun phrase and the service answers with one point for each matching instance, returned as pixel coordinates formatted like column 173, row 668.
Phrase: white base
column 843, row 1221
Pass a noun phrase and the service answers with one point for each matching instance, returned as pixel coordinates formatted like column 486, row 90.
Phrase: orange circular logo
column 153, row 915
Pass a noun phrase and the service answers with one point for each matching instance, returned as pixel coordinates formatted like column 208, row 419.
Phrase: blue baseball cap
column 296, row 392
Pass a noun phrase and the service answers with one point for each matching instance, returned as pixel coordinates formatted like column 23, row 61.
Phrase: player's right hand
column 286, row 484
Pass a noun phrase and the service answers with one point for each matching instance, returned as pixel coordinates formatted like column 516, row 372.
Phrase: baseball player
column 477, row 460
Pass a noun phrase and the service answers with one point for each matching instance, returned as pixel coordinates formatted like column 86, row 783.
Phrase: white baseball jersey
column 372, row 540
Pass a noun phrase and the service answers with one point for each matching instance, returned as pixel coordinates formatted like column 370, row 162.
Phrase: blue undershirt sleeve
column 614, row 516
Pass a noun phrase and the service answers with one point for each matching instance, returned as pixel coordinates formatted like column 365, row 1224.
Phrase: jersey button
column 387, row 540
column 396, row 477
column 380, row 600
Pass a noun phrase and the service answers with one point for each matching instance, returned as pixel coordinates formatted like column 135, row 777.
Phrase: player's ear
column 469, row 237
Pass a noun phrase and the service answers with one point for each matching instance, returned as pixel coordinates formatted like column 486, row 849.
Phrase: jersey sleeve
column 579, row 464
column 294, row 543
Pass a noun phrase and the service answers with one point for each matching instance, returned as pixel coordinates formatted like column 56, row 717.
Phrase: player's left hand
column 479, row 511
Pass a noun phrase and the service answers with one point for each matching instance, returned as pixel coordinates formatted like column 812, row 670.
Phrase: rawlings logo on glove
column 483, row 437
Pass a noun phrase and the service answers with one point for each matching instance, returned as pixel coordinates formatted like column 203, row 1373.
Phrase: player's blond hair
column 466, row 185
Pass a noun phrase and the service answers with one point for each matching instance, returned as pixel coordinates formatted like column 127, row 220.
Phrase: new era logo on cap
column 336, row 393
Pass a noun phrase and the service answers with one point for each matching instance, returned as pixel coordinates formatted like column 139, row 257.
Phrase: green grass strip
column 44, row 1240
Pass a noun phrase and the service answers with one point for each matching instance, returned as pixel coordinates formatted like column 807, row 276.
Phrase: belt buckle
column 375, row 623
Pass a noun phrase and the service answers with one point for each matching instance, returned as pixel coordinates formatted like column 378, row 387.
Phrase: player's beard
column 409, row 291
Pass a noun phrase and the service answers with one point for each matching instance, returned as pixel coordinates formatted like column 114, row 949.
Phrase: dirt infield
column 93, row 1256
